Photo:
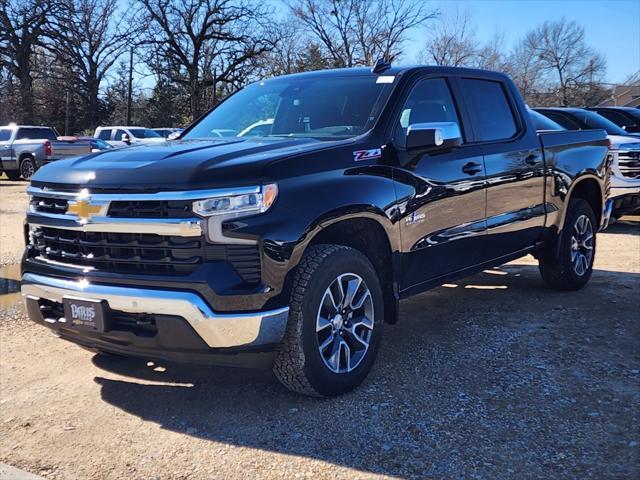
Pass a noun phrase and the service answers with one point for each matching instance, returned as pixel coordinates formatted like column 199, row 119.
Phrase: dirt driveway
column 492, row 377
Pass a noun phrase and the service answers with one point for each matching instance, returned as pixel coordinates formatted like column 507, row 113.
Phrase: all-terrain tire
column 558, row 270
column 299, row 364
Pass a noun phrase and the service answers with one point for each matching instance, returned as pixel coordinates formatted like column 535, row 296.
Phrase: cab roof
column 395, row 70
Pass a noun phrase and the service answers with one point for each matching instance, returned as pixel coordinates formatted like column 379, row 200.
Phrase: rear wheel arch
column 588, row 189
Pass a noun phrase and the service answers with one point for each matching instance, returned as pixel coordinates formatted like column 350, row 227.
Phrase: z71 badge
column 360, row 155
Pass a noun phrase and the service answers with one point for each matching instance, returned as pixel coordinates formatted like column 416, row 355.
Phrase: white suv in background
column 119, row 136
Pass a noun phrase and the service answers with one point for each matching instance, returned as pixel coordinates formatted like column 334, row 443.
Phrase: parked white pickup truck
column 25, row 148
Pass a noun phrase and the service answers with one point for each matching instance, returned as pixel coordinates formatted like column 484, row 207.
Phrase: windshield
column 317, row 107
column 592, row 120
column 144, row 133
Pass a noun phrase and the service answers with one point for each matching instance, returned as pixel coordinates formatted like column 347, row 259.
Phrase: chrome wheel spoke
column 322, row 323
column 344, row 346
column 364, row 321
column 330, row 339
column 363, row 298
column 329, row 301
column 334, row 357
column 352, row 288
column 353, row 334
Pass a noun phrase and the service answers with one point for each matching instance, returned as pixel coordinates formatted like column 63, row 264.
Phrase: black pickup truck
column 283, row 227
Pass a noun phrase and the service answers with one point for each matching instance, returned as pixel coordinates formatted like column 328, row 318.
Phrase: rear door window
column 105, row 134
column 490, row 110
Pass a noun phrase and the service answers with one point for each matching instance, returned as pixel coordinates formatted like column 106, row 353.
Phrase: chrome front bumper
column 218, row 330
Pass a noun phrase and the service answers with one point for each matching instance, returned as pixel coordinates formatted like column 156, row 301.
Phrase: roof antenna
column 381, row 66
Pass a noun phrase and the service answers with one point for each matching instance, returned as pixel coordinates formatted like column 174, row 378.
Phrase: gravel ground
column 491, row 377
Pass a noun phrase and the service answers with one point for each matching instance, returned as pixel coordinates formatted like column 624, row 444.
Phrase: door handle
column 531, row 159
column 472, row 168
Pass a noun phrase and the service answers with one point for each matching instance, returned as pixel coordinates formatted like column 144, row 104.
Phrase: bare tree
column 560, row 51
column 452, row 42
column 22, row 24
column 357, row 32
column 491, row 55
column 525, row 71
column 89, row 36
column 206, row 42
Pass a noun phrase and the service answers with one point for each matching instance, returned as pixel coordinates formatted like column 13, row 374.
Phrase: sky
column 612, row 27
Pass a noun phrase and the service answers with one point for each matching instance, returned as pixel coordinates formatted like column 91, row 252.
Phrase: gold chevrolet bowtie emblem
column 83, row 209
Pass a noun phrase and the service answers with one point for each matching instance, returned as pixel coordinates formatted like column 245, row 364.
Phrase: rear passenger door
column 441, row 194
column 514, row 166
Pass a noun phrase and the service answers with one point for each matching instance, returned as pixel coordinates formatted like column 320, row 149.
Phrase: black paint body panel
column 440, row 222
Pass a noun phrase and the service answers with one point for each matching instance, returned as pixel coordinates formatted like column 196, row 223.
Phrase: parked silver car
column 25, row 148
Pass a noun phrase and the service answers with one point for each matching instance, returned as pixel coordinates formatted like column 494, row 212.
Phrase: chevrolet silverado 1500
column 24, row 149
column 291, row 249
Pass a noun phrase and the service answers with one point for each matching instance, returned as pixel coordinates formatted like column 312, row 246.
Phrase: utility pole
column 66, row 114
column 215, row 99
column 130, row 93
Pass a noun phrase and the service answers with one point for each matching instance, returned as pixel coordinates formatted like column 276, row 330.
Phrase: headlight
column 257, row 201
column 629, row 146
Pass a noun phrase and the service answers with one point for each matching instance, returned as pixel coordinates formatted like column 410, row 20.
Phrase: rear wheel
column 13, row 174
column 570, row 268
column 27, row 167
column 335, row 323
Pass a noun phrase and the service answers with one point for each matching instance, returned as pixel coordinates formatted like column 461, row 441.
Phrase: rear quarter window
column 491, row 114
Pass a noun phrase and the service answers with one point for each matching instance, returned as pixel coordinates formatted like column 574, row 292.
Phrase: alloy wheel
column 581, row 245
column 27, row 169
column 345, row 323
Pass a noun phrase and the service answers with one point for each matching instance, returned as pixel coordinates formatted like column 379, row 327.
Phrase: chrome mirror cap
column 423, row 137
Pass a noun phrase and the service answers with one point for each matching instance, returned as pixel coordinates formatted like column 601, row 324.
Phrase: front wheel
column 335, row 323
column 572, row 265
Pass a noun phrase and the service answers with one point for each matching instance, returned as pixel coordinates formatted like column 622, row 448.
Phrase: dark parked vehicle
column 292, row 249
column 627, row 118
column 625, row 154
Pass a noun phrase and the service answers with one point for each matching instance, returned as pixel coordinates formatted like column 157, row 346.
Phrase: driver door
column 442, row 194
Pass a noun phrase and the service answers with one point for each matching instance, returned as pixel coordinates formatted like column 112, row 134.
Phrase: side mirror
column 432, row 136
column 173, row 135
column 125, row 138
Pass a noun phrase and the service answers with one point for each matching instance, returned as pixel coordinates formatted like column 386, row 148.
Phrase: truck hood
column 176, row 165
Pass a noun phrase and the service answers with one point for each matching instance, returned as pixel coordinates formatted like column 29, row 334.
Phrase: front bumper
column 215, row 333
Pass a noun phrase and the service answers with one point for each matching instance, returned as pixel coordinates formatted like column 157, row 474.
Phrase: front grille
column 151, row 209
column 140, row 324
column 141, row 253
column 49, row 205
column 629, row 163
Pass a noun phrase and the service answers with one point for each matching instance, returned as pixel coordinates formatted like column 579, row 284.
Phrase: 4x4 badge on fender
column 360, row 155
